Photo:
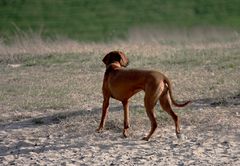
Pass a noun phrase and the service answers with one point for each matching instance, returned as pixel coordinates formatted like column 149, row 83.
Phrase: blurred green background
column 104, row 20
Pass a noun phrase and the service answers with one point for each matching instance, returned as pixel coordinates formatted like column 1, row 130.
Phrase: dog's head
column 116, row 56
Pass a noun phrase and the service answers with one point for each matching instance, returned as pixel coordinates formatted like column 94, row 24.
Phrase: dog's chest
column 122, row 90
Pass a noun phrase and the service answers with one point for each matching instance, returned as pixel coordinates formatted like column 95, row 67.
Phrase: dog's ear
column 116, row 56
column 123, row 59
column 106, row 59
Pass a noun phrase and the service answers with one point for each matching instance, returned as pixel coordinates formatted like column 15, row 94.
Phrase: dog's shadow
column 228, row 101
column 51, row 119
column 95, row 113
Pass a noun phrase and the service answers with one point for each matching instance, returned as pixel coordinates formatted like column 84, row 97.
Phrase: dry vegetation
column 50, row 99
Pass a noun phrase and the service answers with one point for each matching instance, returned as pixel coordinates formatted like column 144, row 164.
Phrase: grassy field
column 37, row 75
column 109, row 19
column 50, row 100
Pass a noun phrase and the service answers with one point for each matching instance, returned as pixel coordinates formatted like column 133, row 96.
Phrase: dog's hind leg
column 150, row 102
column 164, row 101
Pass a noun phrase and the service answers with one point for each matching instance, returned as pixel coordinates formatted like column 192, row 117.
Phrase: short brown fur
column 121, row 84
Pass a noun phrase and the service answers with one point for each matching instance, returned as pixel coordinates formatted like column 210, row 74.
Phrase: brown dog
column 121, row 84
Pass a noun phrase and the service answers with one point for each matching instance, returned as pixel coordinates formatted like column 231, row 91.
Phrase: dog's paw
column 99, row 130
column 145, row 138
column 125, row 133
column 181, row 136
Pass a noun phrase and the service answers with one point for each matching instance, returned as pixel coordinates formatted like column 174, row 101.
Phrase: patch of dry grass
column 39, row 76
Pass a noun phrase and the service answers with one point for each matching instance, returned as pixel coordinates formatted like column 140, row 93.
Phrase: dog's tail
column 166, row 81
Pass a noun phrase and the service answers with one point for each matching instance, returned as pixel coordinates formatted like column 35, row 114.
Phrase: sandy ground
column 211, row 137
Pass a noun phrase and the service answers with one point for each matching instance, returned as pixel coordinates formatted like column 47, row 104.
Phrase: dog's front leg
column 126, row 118
column 104, row 113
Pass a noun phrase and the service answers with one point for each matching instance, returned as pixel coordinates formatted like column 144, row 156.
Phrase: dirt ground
column 211, row 136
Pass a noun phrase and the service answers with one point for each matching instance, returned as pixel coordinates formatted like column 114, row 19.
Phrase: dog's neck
column 112, row 66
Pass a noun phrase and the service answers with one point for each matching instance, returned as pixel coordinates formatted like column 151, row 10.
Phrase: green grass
column 108, row 19
column 44, row 81
column 53, row 75
column 52, row 59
